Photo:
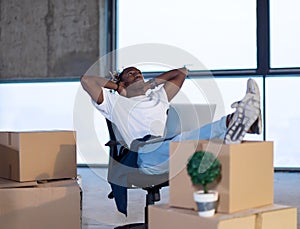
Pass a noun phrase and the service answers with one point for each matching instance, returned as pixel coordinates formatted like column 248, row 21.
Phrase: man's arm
column 93, row 86
column 172, row 81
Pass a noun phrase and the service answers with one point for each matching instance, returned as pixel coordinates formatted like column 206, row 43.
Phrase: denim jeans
column 154, row 158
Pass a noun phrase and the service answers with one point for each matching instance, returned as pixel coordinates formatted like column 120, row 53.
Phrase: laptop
column 186, row 117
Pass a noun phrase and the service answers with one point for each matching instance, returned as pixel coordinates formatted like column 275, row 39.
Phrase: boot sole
column 239, row 128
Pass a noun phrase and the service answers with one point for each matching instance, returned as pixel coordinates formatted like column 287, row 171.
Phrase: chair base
column 133, row 226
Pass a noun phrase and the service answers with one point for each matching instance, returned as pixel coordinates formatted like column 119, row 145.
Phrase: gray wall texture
column 48, row 38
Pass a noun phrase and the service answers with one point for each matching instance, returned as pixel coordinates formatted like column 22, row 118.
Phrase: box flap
column 58, row 183
column 5, row 183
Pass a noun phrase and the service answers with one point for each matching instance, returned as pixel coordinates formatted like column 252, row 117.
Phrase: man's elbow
column 83, row 80
column 89, row 84
column 183, row 71
column 86, row 82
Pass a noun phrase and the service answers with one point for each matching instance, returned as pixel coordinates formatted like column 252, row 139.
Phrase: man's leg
column 214, row 130
column 232, row 128
column 153, row 158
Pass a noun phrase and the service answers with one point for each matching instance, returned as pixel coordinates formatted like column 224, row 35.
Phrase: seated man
column 139, row 109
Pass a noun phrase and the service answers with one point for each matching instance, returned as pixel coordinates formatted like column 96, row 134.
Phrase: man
column 139, row 110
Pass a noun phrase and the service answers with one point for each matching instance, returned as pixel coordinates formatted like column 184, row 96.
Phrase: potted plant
column 204, row 168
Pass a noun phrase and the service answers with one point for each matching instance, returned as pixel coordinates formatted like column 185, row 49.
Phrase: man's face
column 132, row 77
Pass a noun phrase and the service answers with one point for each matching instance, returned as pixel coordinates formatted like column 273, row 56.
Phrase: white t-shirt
column 137, row 116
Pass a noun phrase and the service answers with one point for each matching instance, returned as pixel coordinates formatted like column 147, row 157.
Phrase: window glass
column 283, row 119
column 220, row 34
column 55, row 106
column 285, row 33
column 23, row 107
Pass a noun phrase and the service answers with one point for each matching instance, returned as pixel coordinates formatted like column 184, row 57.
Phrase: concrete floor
column 99, row 212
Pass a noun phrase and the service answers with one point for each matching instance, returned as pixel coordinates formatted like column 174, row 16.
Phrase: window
column 285, row 33
column 283, row 119
column 220, row 34
column 55, row 106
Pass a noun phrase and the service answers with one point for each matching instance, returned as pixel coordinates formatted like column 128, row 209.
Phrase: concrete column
column 48, row 38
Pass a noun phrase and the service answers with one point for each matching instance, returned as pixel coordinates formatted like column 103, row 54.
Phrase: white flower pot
column 206, row 202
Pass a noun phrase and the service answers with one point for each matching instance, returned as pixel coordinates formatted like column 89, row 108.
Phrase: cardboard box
column 29, row 156
column 247, row 174
column 50, row 205
column 271, row 217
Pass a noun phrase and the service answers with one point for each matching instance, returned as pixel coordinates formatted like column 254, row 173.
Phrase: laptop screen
column 186, row 117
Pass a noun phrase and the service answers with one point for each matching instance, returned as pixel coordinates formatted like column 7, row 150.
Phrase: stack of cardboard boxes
column 38, row 186
column 245, row 190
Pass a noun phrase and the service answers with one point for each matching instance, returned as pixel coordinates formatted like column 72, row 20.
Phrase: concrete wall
column 48, row 38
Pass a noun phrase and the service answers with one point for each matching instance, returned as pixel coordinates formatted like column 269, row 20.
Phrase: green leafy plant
column 203, row 168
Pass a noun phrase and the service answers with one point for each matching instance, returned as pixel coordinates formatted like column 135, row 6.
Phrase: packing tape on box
column 258, row 221
column 9, row 139
column 259, row 215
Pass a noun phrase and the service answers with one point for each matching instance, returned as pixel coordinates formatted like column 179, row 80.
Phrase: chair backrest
column 185, row 117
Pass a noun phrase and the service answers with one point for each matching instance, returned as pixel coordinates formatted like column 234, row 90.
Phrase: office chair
column 180, row 117
column 136, row 179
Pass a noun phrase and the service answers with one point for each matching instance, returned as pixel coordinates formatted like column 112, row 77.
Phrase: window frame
column 263, row 69
column 263, row 45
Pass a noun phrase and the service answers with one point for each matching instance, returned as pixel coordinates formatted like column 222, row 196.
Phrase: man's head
column 133, row 77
